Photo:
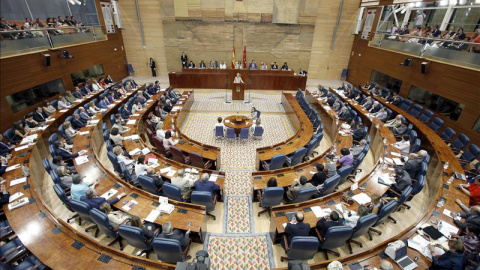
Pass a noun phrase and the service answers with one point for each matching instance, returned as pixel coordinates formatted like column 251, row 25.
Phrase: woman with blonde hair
column 115, row 218
column 69, row 97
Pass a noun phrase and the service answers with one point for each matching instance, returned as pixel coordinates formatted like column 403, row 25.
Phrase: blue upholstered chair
column 344, row 172
column 168, row 250
column 384, row 214
column 425, row 116
column 276, row 162
column 301, row 248
column 363, row 225
column 219, row 132
column 135, row 238
column 459, row 143
column 329, row 185
column 436, row 124
column 334, row 238
column 257, row 132
column 101, row 219
column 83, row 211
column 172, row 192
column 148, row 184
column 207, row 199
column 304, row 194
column 470, row 154
column 269, row 197
column 296, row 157
column 448, row 134
column 65, row 200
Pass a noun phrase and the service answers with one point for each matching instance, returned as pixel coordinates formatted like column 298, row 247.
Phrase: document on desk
column 171, row 173
column 131, row 122
column 128, row 206
column 384, row 180
column 362, row 198
column 145, row 151
column 107, row 195
column 81, row 152
column 134, row 137
column 447, row 229
column 21, row 148
column 135, row 115
column 152, row 216
column 81, row 160
column 64, row 110
column 18, row 181
column 395, row 154
column 420, row 244
column 18, row 203
column 176, row 108
column 50, row 119
column 83, row 133
column 134, row 152
column 15, row 196
column 94, row 121
column 397, row 161
column 165, row 170
column 317, row 211
column 213, row 177
column 389, row 161
column 13, row 167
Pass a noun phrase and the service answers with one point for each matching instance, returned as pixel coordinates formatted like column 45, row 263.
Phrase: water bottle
column 445, row 167
column 450, row 180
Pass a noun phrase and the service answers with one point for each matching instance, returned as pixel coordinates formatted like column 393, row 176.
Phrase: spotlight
column 424, row 67
column 65, row 54
column 407, row 62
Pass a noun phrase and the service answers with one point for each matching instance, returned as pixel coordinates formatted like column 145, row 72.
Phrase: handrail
column 428, row 38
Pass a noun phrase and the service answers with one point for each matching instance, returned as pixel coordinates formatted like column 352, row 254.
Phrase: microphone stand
column 249, row 92
column 226, row 93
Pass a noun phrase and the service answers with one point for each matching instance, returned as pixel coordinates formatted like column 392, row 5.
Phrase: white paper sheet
column 13, row 167
column 107, row 195
column 213, row 177
column 171, row 173
column 131, row 122
column 152, row 216
column 15, row 196
column 21, row 148
column 362, row 198
column 81, row 160
column 18, row 181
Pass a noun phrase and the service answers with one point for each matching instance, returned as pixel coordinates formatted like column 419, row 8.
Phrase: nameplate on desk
column 77, row 245
column 308, row 209
column 280, row 214
column 182, row 211
column 261, row 152
column 257, row 177
column 104, row 258
column 278, row 148
column 280, row 175
column 181, row 142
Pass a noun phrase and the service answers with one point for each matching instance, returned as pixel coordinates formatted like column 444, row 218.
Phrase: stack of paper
column 84, row 133
column 213, row 177
column 165, row 170
column 18, row 181
column 50, row 119
column 397, row 161
column 107, row 195
column 64, row 110
column 395, row 154
column 319, row 212
column 18, row 203
column 13, row 167
column 171, row 173
column 166, row 208
column 21, row 148
column 81, row 160
column 128, row 206
column 94, row 121
column 134, row 137
column 135, row 115
column 362, row 198
column 131, row 122
column 152, row 216
column 176, row 108
column 134, row 152
column 145, row 151
column 447, row 229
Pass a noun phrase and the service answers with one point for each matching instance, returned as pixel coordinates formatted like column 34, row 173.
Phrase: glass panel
column 22, row 42
column 64, row 37
column 13, row 10
column 436, row 103
column 27, row 98
column 468, row 18
column 476, row 127
column 86, row 74
column 386, row 81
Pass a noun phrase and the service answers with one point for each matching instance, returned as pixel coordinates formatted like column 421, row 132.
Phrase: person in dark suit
column 252, row 65
column 285, row 66
column 453, row 259
column 95, row 201
column 344, row 114
column 39, row 115
column 64, row 153
column 126, row 112
column 29, row 121
column 412, row 165
column 202, row 65
column 84, row 117
column 191, row 64
column 5, row 148
column 155, row 177
column 296, row 227
column 77, row 93
column 111, row 97
column 320, row 176
column 274, row 66
column 330, row 100
column 4, row 195
column 184, row 59
column 169, row 233
column 3, row 164
column 359, row 133
column 375, row 107
column 323, row 224
column 402, row 181
column 302, row 72
column 205, row 185
column 76, row 122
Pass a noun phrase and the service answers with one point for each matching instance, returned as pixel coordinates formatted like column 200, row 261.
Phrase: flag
column 245, row 57
column 233, row 57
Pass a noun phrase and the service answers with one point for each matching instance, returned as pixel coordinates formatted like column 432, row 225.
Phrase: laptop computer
column 403, row 260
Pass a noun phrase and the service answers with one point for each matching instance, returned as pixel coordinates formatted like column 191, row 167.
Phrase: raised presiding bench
column 223, row 79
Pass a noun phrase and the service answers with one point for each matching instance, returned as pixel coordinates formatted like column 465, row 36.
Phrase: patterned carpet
column 240, row 252
column 239, row 218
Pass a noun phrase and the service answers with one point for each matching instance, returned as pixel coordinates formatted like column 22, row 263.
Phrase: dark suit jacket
column 84, row 116
column 39, row 117
column 375, row 109
column 4, row 198
column 402, row 183
column 206, row 186
column 323, row 225
column 4, row 149
column 319, row 178
column 66, row 155
column 411, row 167
column 274, row 66
column 183, row 238
column 2, row 169
column 97, row 201
column 449, row 261
column 125, row 113
column 158, row 180
column 102, row 104
column 110, row 98
column 77, row 123
column 299, row 229
column 359, row 134
column 345, row 116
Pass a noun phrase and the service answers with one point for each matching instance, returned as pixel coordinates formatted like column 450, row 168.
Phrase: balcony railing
column 452, row 51
column 19, row 42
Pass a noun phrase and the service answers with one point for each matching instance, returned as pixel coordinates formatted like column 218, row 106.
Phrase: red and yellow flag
column 245, row 57
column 233, row 57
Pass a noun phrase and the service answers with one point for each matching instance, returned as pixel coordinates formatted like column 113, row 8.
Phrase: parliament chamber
column 235, row 134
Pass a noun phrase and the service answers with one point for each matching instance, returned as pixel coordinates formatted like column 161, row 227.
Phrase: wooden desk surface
column 303, row 133
column 231, row 122
column 175, row 120
column 441, row 153
column 49, row 238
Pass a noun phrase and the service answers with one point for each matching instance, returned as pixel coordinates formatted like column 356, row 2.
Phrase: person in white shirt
column 69, row 131
column 219, row 124
column 351, row 218
column 419, row 19
column 118, row 151
column 118, row 125
column 403, row 145
column 257, row 123
column 115, row 218
column 63, row 104
column 397, row 121
column 160, row 132
column 93, row 109
column 185, row 185
column 223, row 65
column 238, row 79
column 116, row 137
column 263, row 66
column 238, row 65
column 140, row 166
column 381, row 115
column 168, row 141
column 136, row 107
column 254, row 114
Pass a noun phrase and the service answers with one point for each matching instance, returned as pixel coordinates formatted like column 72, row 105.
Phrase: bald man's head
column 299, row 216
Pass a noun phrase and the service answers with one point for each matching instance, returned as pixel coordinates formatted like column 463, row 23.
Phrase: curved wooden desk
column 176, row 118
column 301, row 125
column 433, row 214
column 237, row 122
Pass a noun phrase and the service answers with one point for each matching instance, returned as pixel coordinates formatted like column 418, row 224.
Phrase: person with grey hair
column 170, row 233
column 184, row 184
column 66, row 177
column 122, row 129
column 205, row 185
column 79, row 187
column 76, row 122
column 335, row 265
column 412, row 165
column 95, row 201
column 386, row 265
column 422, row 155
column 357, row 149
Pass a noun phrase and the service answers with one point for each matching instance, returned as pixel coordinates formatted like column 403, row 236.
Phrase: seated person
column 357, row 149
column 331, row 165
column 29, row 121
column 285, row 66
column 136, row 107
column 359, row 133
column 336, row 105
column 156, row 177
column 64, row 104
column 325, row 223
column 381, row 114
column 169, row 233
column 5, row 147
column 39, row 115
column 351, row 218
column 93, row 109
column 126, row 113
column 453, row 259
column 48, row 108
column 70, row 97
column 118, row 151
column 4, row 194
column 20, row 131
column 57, row 161
column 375, row 107
column 148, row 229
column 115, row 137
column 160, row 132
column 168, row 141
column 472, row 190
column 66, row 176
column 140, row 166
column 79, row 187
column 296, row 227
column 220, row 124
column 205, row 185
column 257, row 123
column 122, row 129
column 297, row 185
column 61, row 150
column 168, row 106
column 400, row 130
column 95, row 201
column 69, row 131
column 154, row 119
column 344, row 114
column 3, row 164
column 320, row 176
column 367, row 103
column 76, row 122
column 412, row 165
column 395, row 122
column 84, row 116
column 184, row 184
column 346, row 159
column 471, row 241
column 402, row 181
column 254, row 114
column 403, row 146
column 115, row 218
column 396, row 101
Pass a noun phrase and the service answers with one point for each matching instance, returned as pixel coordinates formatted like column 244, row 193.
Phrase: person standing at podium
column 238, row 79
column 184, row 59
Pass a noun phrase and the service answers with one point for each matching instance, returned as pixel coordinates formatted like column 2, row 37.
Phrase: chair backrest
column 55, row 178
column 113, row 158
column 330, row 185
column 203, row 198
column 69, row 119
column 405, row 195
column 416, row 110
column 125, row 172
column 159, row 145
column 344, row 172
column 230, row 133
column 172, row 192
column 426, row 116
column 168, row 250
column 219, row 131
column 422, row 171
column 244, row 133
column 303, row 248
column 336, row 237
column 418, row 185
column 305, row 194
column 258, row 131
column 363, row 224
column 412, row 136
column 61, row 130
column 416, row 146
column 112, row 119
column 272, row 196
column 148, row 184
column 461, row 141
column 406, row 104
column 82, row 209
column 46, row 165
column 149, row 134
column 298, row 156
column 134, row 237
column 104, row 126
column 196, row 160
column 385, row 211
column 436, row 124
column 471, row 153
column 9, row 134
column 447, row 134
column 101, row 219
column 109, row 146
column 53, row 138
column 177, row 154
column 106, row 135
column 277, row 162
column 62, row 196
column 54, row 103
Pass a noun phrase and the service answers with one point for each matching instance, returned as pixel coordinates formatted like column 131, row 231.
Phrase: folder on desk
column 385, row 181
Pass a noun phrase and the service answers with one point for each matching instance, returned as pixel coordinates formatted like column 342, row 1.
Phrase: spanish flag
column 245, row 57
column 233, row 57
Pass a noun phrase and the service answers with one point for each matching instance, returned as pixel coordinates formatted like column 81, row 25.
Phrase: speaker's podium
column 238, row 91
